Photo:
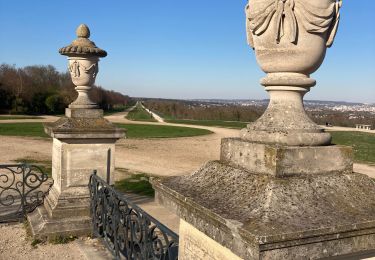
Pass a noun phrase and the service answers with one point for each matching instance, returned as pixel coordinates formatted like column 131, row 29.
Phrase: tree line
column 44, row 90
column 200, row 111
column 179, row 109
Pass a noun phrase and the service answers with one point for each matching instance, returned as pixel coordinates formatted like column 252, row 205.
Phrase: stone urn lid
column 82, row 45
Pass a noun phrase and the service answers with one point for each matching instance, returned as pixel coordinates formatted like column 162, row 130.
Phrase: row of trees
column 44, row 90
column 186, row 110
column 201, row 111
column 345, row 119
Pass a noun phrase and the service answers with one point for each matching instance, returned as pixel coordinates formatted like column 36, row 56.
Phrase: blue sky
column 181, row 49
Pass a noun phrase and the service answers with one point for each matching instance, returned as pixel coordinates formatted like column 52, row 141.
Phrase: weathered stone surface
column 73, row 161
column 80, row 128
column 83, row 66
column 283, row 161
column 83, row 141
column 43, row 226
column 289, row 38
column 83, row 113
column 82, row 45
column 193, row 244
column 257, row 215
column 285, row 121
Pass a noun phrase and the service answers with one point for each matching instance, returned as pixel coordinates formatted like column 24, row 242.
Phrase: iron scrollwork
column 127, row 230
column 23, row 188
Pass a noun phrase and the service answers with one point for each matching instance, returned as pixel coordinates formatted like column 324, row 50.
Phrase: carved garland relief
column 293, row 14
column 75, row 69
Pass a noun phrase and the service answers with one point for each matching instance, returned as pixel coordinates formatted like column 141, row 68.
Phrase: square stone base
column 261, row 216
column 283, row 161
column 66, row 209
column 83, row 113
column 193, row 244
column 74, row 160
column 43, row 226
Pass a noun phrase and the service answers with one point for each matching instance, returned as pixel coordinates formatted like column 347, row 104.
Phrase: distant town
column 311, row 105
column 346, row 114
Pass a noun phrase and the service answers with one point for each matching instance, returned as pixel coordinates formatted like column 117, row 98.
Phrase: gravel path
column 16, row 245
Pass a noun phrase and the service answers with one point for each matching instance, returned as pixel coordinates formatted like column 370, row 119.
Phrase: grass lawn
column 134, row 131
column 23, row 129
column 45, row 166
column 139, row 114
column 136, row 183
column 116, row 110
column 20, row 117
column 218, row 123
column 363, row 144
column 161, row 131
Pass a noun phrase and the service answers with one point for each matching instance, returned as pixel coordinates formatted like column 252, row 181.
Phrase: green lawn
column 363, row 144
column 23, row 129
column 117, row 110
column 134, row 131
column 20, row 117
column 218, row 123
column 136, row 183
column 45, row 166
column 161, row 131
column 139, row 114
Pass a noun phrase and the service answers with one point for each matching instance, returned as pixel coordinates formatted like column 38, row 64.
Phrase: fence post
column 109, row 166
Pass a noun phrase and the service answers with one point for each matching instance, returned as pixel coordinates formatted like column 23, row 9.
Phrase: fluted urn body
column 290, row 38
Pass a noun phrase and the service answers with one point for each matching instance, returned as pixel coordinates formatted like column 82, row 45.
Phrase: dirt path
column 154, row 115
column 165, row 157
column 42, row 120
column 365, row 169
column 170, row 156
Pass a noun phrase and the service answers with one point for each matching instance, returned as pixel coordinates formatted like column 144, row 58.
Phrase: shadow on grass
column 137, row 183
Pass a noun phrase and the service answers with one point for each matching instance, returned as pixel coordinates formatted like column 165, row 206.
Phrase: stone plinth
column 284, row 161
column 82, row 142
column 191, row 241
column 260, row 216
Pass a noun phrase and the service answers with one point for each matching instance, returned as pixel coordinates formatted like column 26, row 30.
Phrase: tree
column 55, row 104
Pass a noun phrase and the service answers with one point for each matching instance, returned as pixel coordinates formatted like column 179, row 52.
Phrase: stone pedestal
column 262, row 205
column 83, row 141
column 284, row 161
column 282, row 190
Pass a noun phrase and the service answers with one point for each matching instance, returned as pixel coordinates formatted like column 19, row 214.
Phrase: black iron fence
column 127, row 230
column 23, row 187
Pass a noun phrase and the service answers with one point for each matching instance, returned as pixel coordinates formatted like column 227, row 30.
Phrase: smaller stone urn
column 83, row 141
column 83, row 65
column 290, row 38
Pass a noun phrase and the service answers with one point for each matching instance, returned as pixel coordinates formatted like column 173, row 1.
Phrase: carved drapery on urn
column 290, row 38
column 294, row 14
column 83, row 56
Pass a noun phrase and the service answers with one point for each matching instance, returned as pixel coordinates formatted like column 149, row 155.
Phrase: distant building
column 363, row 127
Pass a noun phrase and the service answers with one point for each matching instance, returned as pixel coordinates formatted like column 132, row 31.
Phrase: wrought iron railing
column 127, row 230
column 23, row 187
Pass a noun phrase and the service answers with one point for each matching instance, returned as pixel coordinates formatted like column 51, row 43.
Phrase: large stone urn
column 290, row 38
column 281, row 190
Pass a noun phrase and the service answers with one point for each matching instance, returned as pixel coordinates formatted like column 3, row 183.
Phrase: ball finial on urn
column 83, row 31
